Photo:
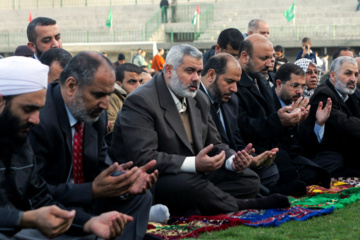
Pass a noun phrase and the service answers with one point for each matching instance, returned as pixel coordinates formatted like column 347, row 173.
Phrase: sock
column 272, row 201
column 159, row 213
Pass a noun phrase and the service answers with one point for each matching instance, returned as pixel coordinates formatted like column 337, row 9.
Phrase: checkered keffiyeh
column 304, row 63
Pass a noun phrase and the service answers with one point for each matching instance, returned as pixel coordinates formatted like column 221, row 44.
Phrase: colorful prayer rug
column 180, row 227
column 327, row 200
column 318, row 201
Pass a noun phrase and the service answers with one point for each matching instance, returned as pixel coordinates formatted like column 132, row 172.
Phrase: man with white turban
column 24, row 198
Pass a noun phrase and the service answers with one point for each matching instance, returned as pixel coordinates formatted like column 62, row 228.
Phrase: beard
column 78, row 110
column 10, row 127
column 38, row 52
column 215, row 92
column 178, row 87
column 342, row 87
column 255, row 74
column 287, row 98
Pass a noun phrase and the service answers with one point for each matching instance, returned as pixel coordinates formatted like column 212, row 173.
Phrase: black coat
column 342, row 129
column 52, row 144
column 22, row 189
column 232, row 136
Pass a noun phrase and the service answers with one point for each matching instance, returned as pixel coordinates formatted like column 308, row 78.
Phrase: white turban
column 19, row 75
column 304, row 63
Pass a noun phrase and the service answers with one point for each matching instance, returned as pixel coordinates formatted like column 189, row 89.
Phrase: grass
column 341, row 224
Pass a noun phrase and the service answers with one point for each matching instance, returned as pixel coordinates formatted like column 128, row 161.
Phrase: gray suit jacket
column 149, row 127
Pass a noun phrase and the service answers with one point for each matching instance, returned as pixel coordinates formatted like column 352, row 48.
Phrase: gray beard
column 178, row 88
column 341, row 87
column 78, row 110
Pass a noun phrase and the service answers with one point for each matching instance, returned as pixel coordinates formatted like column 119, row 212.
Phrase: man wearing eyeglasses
column 311, row 75
column 266, row 126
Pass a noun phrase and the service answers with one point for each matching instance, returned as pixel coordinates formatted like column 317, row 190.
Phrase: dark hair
column 216, row 62
column 337, row 51
column 306, row 39
column 8, row 99
column 24, row 51
column 230, row 36
column 246, row 46
column 39, row 21
column 55, row 54
column 126, row 67
column 83, row 67
column 285, row 71
column 121, row 56
column 279, row 48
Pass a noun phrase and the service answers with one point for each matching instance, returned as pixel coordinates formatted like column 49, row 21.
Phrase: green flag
column 290, row 12
column 109, row 19
column 196, row 15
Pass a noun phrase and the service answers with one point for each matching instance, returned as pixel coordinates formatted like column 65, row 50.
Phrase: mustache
column 193, row 84
column 266, row 68
column 27, row 125
column 96, row 110
column 350, row 83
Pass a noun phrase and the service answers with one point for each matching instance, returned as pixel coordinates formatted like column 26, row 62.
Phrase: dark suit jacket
column 231, row 136
column 149, row 127
column 52, row 144
column 258, row 120
column 342, row 129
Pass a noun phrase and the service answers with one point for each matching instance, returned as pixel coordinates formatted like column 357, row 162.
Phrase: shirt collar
column 72, row 119
column 207, row 93
column 342, row 97
column 281, row 102
column 181, row 106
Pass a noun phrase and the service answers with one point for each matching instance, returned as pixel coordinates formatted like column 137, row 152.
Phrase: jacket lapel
column 196, row 123
column 63, row 117
column 171, row 114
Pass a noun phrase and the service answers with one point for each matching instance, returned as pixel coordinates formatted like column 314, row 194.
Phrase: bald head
column 255, row 52
column 258, row 26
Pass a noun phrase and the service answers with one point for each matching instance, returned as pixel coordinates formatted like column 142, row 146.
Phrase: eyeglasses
column 297, row 86
column 310, row 72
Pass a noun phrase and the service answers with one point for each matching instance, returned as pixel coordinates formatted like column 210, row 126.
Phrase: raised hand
column 241, row 160
column 322, row 114
column 289, row 116
column 105, row 185
column 204, row 163
column 145, row 180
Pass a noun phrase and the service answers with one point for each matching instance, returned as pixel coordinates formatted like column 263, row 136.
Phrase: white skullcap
column 19, row 75
column 304, row 63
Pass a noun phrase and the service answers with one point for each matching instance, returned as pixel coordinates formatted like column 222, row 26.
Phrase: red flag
column 30, row 17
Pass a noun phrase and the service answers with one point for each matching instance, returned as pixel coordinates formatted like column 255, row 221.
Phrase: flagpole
column 294, row 14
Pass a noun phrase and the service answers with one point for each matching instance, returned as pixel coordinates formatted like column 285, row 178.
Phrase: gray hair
column 83, row 68
column 336, row 64
column 176, row 54
column 253, row 24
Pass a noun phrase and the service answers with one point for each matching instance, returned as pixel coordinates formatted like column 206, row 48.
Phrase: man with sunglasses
column 311, row 75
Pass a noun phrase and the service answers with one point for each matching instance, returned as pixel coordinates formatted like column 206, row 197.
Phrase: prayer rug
column 336, row 185
column 181, row 227
column 327, row 200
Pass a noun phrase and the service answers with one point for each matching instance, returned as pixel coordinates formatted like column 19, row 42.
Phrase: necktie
column 78, row 154
column 256, row 84
column 217, row 107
